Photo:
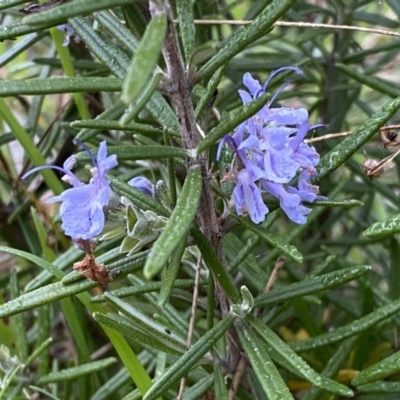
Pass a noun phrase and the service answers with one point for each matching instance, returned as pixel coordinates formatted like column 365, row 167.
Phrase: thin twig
column 340, row 134
column 101, row 351
column 274, row 274
column 326, row 137
column 192, row 321
column 272, row 279
column 298, row 25
column 238, row 376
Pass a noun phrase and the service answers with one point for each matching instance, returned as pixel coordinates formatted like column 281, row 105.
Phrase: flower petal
column 248, row 198
column 252, row 84
column 143, row 184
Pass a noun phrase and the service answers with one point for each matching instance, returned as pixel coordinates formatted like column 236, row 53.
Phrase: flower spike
column 271, row 152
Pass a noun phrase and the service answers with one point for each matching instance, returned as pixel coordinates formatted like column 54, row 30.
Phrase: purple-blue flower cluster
column 82, row 206
column 271, row 152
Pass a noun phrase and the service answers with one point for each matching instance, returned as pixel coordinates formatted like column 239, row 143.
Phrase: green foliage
column 190, row 300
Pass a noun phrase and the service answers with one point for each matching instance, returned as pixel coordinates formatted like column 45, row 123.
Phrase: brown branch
column 178, row 88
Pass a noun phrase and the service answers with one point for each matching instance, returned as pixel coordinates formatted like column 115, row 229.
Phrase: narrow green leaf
column 17, row 87
column 178, row 224
column 187, row 28
column 29, row 146
column 290, row 357
column 196, row 391
column 163, row 113
column 381, row 387
column 311, row 286
column 243, row 37
column 114, row 383
column 117, row 29
column 17, row 29
column 6, row 138
column 127, row 329
column 68, row 68
column 380, row 370
column 21, row 45
column 35, row 259
column 145, row 59
column 373, row 83
column 18, row 322
column 43, row 334
column 95, row 126
column 132, row 153
column 342, row 203
column 146, row 324
column 168, row 312
column 63, row 261
column 351, row 329
column 76, row 372
column 273, row 240
column 38, row 351
column 141, row 99
column 137, row 372
column 134, row 19
column 106, row 51
column 134, row 395
column 231, row 120
column 146, row 288
column 347, row 147
column 75, row 326
column 209, row 91
column 268, row 375
column 86, row 66
column 317, row 270
column 170, row 274
column 244, row 252
column 11, row 3
column 339, row 358
column 8, row 378
column 114, row 112
column 47, row 253
column 220, row 389
column 215, row 266
column 138, row 198
column 171, row 173
column 394, row 272
column 383, row 229
column 184, row 364
column 45, row 392
column 44, row 295
column 61, row 13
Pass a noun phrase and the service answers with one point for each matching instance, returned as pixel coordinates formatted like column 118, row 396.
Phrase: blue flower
column 271, row 152
column 143, row 184
column 82, row 206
